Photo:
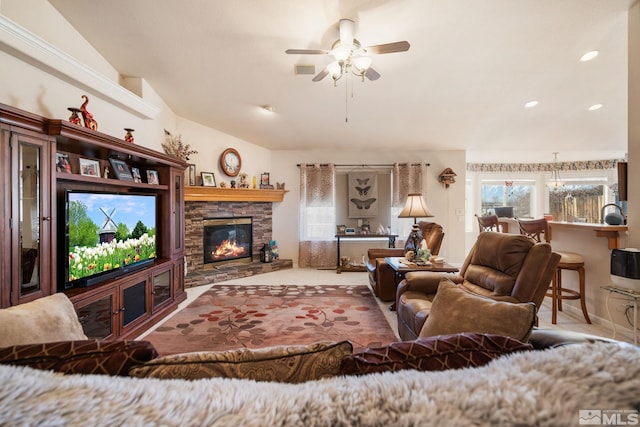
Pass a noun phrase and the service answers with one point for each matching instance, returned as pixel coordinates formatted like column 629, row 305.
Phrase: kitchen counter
column 610, row 232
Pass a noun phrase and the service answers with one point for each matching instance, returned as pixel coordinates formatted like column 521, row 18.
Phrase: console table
column 340, row 267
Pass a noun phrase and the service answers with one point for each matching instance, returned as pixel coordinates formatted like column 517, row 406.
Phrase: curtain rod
column 388, row 165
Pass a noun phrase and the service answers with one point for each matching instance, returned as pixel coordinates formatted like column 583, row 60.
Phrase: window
column 507, row 193
column 577, row 202
column 320, row 223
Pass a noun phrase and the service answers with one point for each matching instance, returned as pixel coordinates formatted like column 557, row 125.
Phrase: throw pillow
column 81, row 357
column 288, row 364
column 455, row 310
column 47, row 319
column 432, row 354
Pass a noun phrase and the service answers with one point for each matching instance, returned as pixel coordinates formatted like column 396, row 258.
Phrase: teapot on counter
column 613, row 218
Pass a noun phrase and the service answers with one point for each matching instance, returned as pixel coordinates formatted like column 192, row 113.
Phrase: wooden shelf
column 217, row 194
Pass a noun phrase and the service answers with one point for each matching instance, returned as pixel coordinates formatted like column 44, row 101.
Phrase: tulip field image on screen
column 108, row 232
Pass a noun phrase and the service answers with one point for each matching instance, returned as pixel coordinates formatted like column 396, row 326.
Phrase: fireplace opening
column 227, row 240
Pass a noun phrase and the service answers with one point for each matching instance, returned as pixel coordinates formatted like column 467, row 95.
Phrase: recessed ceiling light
column 267, row 108
column 531, row 104
column 589, row 56
column 595, row 107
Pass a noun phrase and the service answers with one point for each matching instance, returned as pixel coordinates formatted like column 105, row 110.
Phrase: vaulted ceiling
column 463, row 84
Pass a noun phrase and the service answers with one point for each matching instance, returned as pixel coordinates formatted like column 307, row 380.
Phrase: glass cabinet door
column 161, row 287
column 97, row 316
column 31, row 221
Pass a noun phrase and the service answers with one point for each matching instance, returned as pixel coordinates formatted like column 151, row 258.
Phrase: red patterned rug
column 231, row 316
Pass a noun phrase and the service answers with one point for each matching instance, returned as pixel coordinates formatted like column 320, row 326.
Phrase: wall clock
column 230, row 162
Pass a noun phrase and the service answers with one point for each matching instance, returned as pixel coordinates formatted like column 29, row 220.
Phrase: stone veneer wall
column 196, row 212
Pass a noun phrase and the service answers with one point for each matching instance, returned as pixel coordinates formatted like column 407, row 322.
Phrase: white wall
column 441, row 201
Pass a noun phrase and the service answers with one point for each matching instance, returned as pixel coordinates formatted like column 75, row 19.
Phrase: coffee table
column 401, row 267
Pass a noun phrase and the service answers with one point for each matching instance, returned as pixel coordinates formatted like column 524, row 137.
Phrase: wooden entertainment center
column 32, row 193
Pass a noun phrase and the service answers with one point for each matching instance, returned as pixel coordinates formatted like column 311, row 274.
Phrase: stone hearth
column 195, row 212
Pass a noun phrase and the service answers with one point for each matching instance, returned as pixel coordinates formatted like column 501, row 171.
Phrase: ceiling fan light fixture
column 335, row 70
column 341, row 52
column 362, row 63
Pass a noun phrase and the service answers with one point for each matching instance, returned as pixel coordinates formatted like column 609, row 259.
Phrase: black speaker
column 625, row 263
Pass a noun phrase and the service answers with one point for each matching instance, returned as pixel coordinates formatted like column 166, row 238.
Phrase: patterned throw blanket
column 570, row 385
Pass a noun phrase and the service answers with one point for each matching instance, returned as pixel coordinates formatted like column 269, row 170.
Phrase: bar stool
column 539, row 228
column 488, row 223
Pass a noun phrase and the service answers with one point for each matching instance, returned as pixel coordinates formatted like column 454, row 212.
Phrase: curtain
column 317, row 246
column 407, row 178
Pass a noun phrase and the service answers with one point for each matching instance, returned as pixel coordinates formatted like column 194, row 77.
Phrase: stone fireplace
column 226, row 240
column 203, row 271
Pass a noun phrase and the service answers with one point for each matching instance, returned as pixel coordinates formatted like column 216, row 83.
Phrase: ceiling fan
column 350, row 55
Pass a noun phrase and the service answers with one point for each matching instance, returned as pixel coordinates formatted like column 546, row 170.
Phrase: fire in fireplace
column 227, row 239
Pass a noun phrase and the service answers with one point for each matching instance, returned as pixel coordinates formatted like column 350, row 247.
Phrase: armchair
column 504, row 267
column 382, row 277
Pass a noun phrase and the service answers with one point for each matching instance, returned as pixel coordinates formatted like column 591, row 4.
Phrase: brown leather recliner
column 382, row 277
column 505, row 267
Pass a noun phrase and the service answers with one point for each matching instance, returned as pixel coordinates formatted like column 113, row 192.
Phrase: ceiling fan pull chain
column 346, row 101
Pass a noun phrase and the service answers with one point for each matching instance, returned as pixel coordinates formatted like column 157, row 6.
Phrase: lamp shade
column 415, row 207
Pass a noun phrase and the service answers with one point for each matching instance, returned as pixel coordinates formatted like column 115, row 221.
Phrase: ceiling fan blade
column 372, row 74
column 321, row 75
column 306, row 52
column 402, row 46
column 347, row 27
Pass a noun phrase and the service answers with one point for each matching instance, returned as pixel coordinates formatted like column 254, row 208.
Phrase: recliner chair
column 382, row 277
column 504, row 267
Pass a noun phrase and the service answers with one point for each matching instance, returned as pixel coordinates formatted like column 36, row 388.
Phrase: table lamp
column 415, row 208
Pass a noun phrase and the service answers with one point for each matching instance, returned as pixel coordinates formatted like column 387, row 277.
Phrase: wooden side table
column 401, row 267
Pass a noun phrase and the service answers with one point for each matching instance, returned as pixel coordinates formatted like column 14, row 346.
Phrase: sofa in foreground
column 455, row 379
column 550, row 387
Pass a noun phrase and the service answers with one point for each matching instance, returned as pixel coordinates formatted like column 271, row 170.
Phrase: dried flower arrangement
column 174, row 146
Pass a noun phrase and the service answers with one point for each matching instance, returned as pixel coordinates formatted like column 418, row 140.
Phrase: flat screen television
column 106, row 235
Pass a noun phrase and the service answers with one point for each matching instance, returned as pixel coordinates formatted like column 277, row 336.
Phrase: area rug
column 232, row 316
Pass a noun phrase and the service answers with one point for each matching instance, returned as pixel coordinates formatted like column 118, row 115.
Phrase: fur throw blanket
column 533, row 388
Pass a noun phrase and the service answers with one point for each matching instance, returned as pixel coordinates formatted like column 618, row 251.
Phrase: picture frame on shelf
column 63, row 164
column 121, row 170
column 264, row 181
column 152, row 177
column 89, row 167
column 135, row 172
column 208, row 179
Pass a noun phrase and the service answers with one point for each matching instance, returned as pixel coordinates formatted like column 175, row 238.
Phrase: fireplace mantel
column 217, row 194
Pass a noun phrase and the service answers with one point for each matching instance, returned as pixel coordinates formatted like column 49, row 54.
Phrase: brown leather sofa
column 382, row 277
column 505, row 267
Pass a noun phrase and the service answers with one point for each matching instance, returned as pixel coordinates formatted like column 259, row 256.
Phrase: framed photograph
column 62, row 163
column 121, row 170
column 208, row 179
column 152, row 177
column 264, row 182
column 89, row 167
column 135, row 172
